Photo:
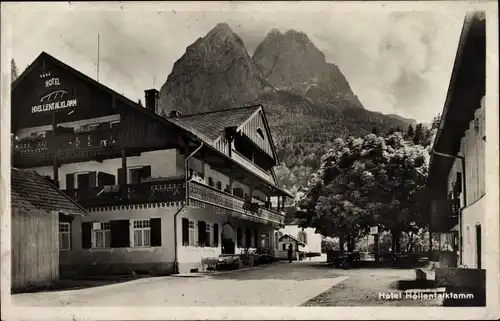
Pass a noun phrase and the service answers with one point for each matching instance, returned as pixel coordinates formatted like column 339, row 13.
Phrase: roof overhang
column 229, row 167
column 466, row 88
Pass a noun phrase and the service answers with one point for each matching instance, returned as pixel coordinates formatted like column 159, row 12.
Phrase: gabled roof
column 211, row 125
column 292, row 237
column 31, row 189
column 268, row 131
column 56, row 62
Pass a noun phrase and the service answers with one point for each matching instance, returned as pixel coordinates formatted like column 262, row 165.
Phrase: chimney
column 152, row 96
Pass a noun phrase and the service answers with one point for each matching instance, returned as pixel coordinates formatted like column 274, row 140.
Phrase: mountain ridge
column 309, row 102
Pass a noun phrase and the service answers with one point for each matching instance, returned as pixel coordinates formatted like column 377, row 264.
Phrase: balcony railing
column 31, row 150
column 226, row 202
column 168, row 190
column 251, row 166
column 174, row 190
column 444, row 214
column 65, row 142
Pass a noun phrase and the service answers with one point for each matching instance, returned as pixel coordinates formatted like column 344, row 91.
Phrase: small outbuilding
column 39, row 213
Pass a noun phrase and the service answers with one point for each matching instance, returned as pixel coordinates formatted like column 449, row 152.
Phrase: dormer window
column 260, row 133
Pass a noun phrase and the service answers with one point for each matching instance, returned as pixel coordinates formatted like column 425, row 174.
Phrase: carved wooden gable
column 257, row 129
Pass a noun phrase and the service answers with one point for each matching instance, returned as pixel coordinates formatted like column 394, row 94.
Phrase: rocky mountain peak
column 215, row 72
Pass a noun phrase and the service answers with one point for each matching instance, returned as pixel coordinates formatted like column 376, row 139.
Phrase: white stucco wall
column 472, row 216
column 472, row 147
column 191, row 256
column 164, row 253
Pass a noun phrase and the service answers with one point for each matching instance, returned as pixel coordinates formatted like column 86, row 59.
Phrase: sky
column 397, row 59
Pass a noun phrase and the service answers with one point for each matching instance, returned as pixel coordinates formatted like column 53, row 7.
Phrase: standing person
column 290, row 252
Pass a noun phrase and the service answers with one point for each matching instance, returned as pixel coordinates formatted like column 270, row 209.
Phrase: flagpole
column 98, row 40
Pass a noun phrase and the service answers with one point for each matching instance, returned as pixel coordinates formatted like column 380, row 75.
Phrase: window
column 284, row 247
column 301, row 236
column 467, row 234
column 210, row 182
column 219, row 185
column 114, row 124
column 83, row 180
column 101, row 235
column 64, row 236
column 238, row 192
column 255, row 238
column 276, row 241
column 208, row 239
column 202, row 230
column 248, row 238
column 191, row 233
column 239, row 237
column 142, row 233
column 216, row 234
column 135, row 175
column 260, row 133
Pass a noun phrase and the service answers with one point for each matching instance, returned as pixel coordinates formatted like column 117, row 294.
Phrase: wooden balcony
column 444, row 215
column 204, row 196
column 39, row 151
column 159, row 191
column 173, row 190
column 251, row 166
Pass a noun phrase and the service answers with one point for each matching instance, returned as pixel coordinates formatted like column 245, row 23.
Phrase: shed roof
column 30, row 188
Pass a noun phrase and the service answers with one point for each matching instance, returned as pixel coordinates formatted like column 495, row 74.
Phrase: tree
column 367, row 181
column 13, row 70
column 418, row 138
column 435, row 121
column 411, row 132
column 375, row 130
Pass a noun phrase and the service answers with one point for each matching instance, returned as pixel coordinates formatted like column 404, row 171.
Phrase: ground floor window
column 208, row 239
column 64, row 236
column 216, row 234
column 188, row 232
column 101, row 235
column 142, row 233
column 192, row 240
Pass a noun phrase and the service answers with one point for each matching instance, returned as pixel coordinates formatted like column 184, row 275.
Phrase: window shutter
column 185, row 231
column 155, row 231
column 101, row 179
column 120, row 233
column 238, row 237
column 248, row 238
column 86, row 235
column 70, row 181
column 202, row 232
column 146, row 172
column 216, row 234
column 121, row 176
column 92, row 179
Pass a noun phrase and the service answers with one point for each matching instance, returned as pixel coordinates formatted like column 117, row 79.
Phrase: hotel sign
column 55, row 97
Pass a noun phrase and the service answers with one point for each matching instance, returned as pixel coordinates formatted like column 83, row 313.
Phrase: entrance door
column 478, row 246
